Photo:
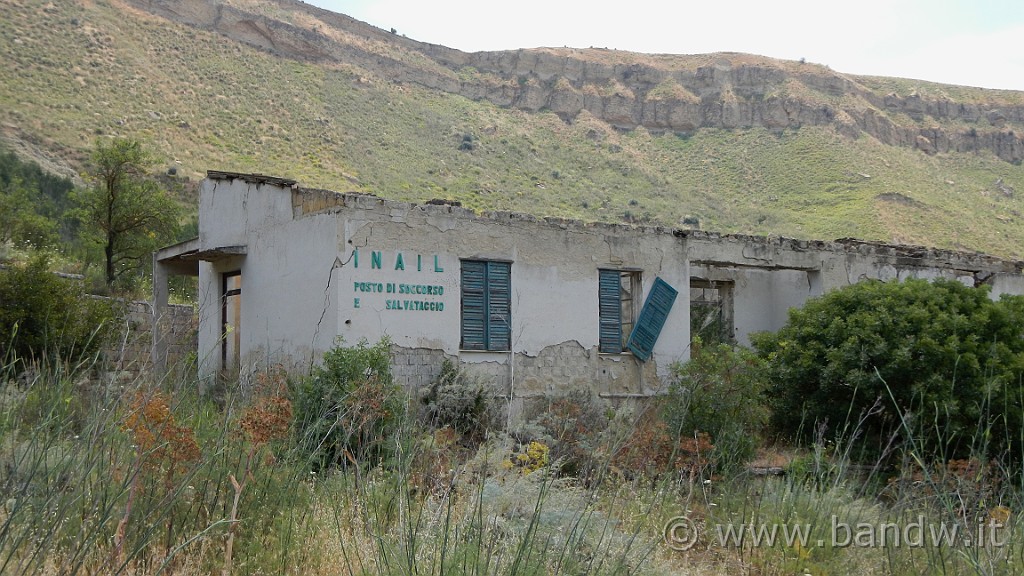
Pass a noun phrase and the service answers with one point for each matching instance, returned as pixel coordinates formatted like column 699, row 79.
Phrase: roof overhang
column 184, row 257
column 251, row 178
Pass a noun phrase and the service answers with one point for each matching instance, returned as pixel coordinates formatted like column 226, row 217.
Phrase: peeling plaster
column 291, row 233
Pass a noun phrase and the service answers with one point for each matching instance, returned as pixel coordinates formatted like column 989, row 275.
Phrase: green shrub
column 33, row 203
column 863, row 358
column 719, row 392
column 459, row 401
column 44, row 316
column 348, row 408
column 579, row 431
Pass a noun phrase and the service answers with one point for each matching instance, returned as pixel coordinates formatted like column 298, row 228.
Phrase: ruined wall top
column 707, row 247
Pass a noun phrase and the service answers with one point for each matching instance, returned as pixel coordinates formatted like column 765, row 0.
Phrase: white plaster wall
column 230, row 209
column 302, row 274
column 301, row 279
column 761, row 298
column 1006, row 284
column 674, row 343
column 554, row 278
column 288, row 308
column 375, row 288
column 288, row 311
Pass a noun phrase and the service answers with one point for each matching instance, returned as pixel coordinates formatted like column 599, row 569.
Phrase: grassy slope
column 81, row 69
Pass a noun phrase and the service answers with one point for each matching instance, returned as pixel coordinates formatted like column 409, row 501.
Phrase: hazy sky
column 968, row 42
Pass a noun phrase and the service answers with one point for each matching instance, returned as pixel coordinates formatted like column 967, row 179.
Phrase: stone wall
column 130, row 355
column 534, row 380
column 415, row 368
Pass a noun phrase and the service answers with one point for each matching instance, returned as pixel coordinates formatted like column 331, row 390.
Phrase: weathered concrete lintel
column 766, row 266
column 641, row 395
column 183, row 258
column 179, row 259
column 220, row 253
column 182, row 251
column 250, row 178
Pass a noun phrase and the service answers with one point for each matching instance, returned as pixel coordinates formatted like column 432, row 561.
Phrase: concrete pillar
column 159, row 338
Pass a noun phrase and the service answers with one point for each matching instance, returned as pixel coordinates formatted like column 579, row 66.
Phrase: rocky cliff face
column 627, row 90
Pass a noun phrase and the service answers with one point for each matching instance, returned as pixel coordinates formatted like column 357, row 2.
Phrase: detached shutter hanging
column 652, row 319
column 609, row 295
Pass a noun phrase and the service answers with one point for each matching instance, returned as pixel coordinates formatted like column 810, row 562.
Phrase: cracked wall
column 317, row 266
column 286, row 267
column 390, row 249
column 771, row 274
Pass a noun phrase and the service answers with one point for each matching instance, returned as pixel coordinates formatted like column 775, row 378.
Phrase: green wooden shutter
column 609, row 296
column 486, row 305
column 499, row 306
column 652, row 319
column 474, row 305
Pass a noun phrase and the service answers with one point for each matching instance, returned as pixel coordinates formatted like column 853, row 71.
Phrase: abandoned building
column 535, row 305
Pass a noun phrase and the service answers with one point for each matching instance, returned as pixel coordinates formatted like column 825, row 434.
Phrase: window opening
column 618, row 303
column 231, row 322
column 711, row 311
column 486, row 305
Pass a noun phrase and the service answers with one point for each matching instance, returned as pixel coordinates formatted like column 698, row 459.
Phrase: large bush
column 45, row 316
column 719, row 392
column 348, row 409
column 865, row 358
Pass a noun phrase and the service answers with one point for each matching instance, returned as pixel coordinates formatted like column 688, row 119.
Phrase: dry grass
column 69, row 472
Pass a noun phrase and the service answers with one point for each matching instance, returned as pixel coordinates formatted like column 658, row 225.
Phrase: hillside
column 739, row 143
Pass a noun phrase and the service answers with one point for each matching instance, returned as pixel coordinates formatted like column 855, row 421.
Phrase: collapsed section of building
column 537, row 306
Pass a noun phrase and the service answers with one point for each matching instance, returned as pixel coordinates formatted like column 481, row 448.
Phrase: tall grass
column 904, row 514
column 106, row 478
column 132, row 478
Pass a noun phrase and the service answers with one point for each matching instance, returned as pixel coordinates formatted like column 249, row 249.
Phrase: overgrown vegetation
column 48, row 318
column 342, row 472
column 936, row 361
column 115, row 223
column 719, row 392
column 461, row 402
column 582, row 435
column 349, row 410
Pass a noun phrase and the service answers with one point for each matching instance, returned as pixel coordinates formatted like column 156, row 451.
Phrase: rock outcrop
column 628, row 90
